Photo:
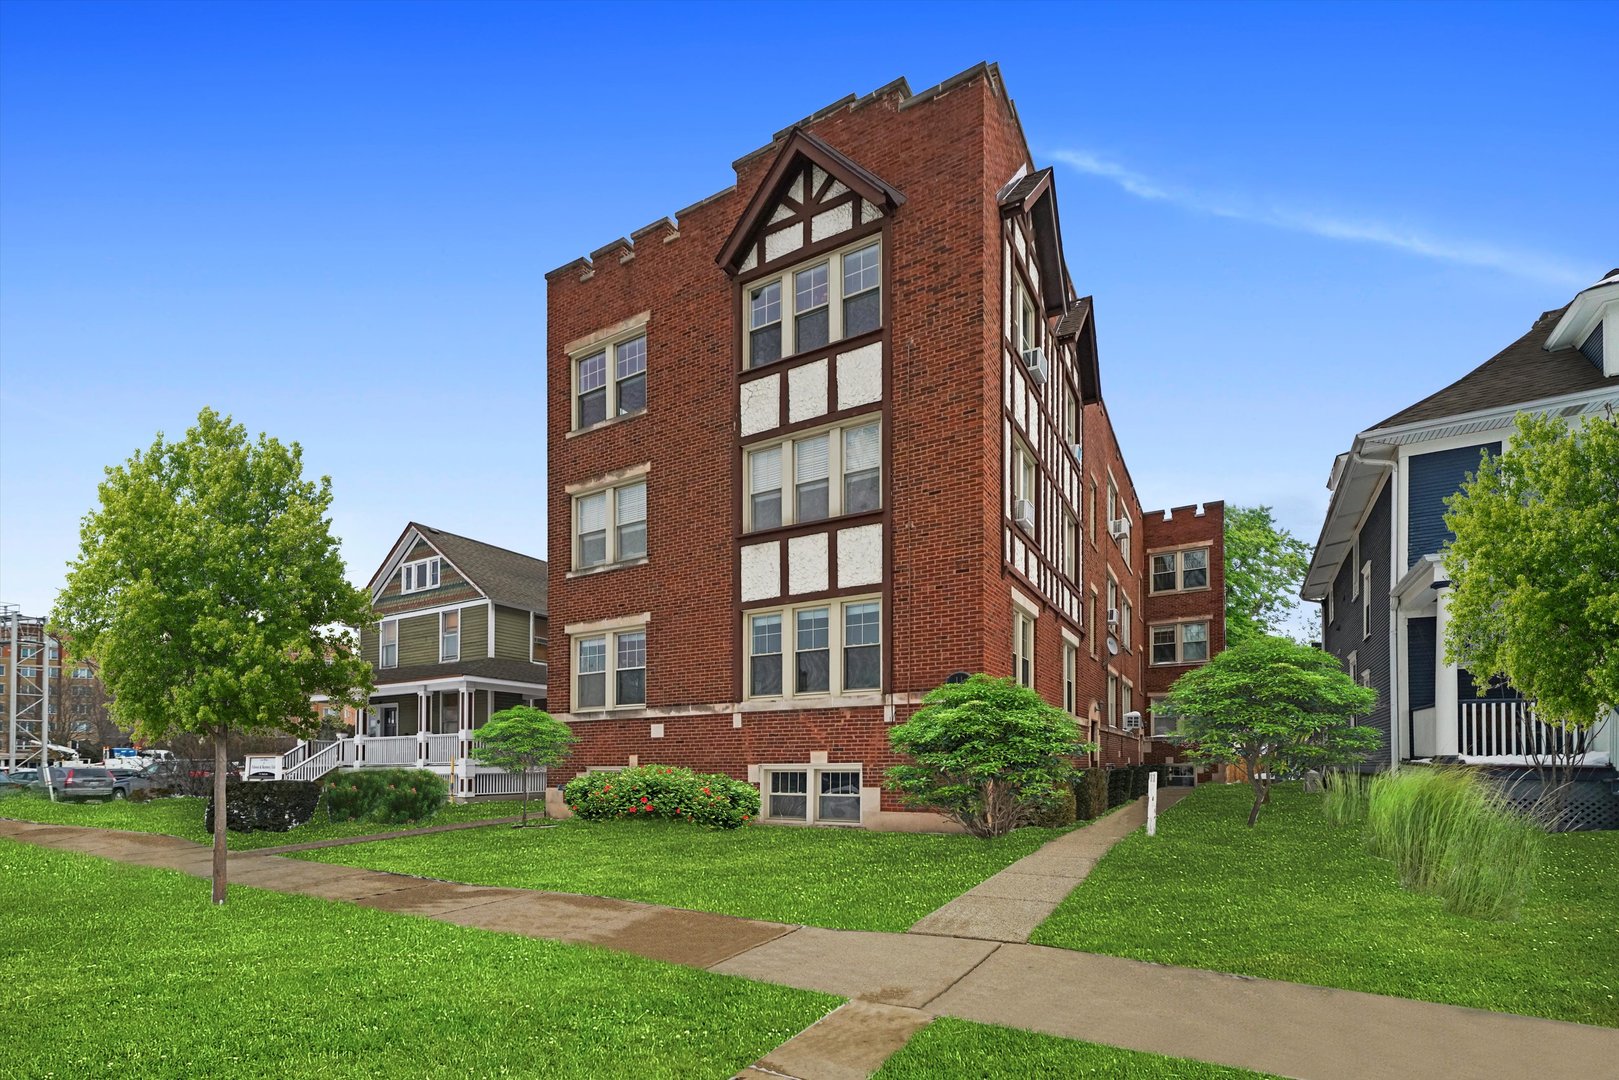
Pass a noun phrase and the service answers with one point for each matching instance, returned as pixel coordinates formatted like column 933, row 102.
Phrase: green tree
column 520, row 740
column 987, row 753
column 1271, row 705
column 1264, row 568
column 209, row 588
column 1534, row 574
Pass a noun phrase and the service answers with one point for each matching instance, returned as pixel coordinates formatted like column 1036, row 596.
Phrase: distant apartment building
column 40, row 681
column 836, row 435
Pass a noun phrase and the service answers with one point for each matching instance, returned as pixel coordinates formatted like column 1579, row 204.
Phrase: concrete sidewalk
column 1285, row 1028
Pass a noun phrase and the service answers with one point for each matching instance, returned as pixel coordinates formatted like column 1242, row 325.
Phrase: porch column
column 464, row 736
column 1446, row 708
column 422, row 723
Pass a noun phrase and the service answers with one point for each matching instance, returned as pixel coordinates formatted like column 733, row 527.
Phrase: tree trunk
column 220, row 765
column 1261, row 791
column 525, row 797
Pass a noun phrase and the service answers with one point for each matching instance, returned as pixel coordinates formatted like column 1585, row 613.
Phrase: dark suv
column 79, row 782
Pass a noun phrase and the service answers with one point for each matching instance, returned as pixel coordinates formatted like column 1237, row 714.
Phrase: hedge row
column 1098, row 790
column 663, row 791
column 387, row 795
column 265, row 805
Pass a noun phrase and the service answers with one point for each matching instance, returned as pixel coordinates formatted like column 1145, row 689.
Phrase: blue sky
column 333, row 221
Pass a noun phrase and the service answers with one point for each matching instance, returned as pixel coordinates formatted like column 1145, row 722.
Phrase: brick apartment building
column 835, row 434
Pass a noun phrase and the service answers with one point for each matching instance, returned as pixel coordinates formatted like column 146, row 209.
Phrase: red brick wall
column 1184, row 525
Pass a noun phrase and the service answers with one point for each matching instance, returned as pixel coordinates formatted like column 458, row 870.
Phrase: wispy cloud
column 1329, row 226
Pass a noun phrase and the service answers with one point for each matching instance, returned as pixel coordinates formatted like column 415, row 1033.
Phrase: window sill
column 590, row 571
column 611, row 711
column 800, row 528
column 1178, row 592
column 847, row 699
column 830, row 349
column 610, row 422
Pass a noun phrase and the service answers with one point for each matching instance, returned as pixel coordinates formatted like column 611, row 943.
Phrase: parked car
column 17, row 781
column 125, row 782
column 78, row 782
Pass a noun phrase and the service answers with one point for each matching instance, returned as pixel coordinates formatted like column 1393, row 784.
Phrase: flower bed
column 663, row 791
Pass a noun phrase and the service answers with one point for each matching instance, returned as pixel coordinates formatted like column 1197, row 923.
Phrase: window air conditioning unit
column 1132, row 721
column 1119, row 528
column 1035, row 361
column 1023, row 513
column 1113, row 616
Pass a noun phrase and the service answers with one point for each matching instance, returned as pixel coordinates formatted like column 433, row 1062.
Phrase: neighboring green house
column 461, row 634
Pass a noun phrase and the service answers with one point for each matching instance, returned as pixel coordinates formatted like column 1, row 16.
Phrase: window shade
column 861, row 448
column 810, row 458
column 631, row 504
column 766, row 467
column 593, row 512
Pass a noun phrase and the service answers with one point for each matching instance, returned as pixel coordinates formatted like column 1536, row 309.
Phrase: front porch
column 423, row 725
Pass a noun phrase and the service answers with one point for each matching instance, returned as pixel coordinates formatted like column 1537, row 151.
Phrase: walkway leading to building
column 899, row 982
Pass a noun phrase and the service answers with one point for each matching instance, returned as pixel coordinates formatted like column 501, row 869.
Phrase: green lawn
column 846, row 879
column 184, row 817
column 1298, row 899
column 120, row 970
column 963, row 1050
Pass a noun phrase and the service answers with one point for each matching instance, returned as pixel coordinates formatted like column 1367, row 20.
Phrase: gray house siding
column 1431, row 479
column 1346, row 634
column 1421, row 660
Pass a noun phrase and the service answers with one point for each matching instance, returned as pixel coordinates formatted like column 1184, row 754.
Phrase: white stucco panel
column 761, row 571
column 752, row 260
column 860, row 556
column 806, row 391
column 761, row 405
column 807, row 563
column 860, row 376
column 1017, row 238
column 782, row 213
column 817, row 178
column 831, row 222
column 783, row 242
column 868, row 212
column 835, row 190
column 797, row 190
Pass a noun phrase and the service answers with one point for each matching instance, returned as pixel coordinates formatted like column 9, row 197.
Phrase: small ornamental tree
column 210, row 590
column 520, row 740
column 987, row 752
column 1271, row 705
column 1534, row 574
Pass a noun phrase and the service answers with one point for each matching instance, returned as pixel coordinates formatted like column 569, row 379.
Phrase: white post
column 1152, row 804
column 1447, row 710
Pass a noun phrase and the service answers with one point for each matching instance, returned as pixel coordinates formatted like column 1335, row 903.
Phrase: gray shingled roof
column 1024, row 187
column 506, row 577
column 496, row 668
column 1073, row 320
column 1522, row 372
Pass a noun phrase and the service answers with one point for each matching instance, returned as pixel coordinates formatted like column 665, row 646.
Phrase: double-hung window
column 1127, row 618
column 419, row 575
column 388, row 643
column 1023, row 648
column 1024, row 479
column 830, row 647
column 449, row 635
column 1180, row 643
column 813, row 477
column 810, row 306
column 610, row 526
column 1070, row 422
column 610, row 670
column 1070, row 677
column 1180, row 570
column 610, row 381
column 1026, row 336
column 1366, row 599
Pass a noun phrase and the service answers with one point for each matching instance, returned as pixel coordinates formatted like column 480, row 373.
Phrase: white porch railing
column 442, row 749
column 505, row 783
column 317, row 764
column 1494, row 728
column 302, row 753
column 389, row 750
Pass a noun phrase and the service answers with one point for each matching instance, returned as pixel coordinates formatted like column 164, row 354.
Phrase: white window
column 609, row 381
column 1352, row 661
column 1023, row 648
column 610, row 670
column 812, row 794
column 1328, row 609
column 388, row 636
column 830, row 647
column 1070, row 678
column 449, row 635
column 1173, row 571
column 1070, row 546
column 1127, row 697
column 1366, row 599
column 1180, row 643
column 595, row 544
column 1354, row 582
column 1070, row 422
column 810, row 306
column 833, row 473
column 419, row 575
column 1027, row 333
column 78, row 672
column 1127, row 619
column 1024, row 478
column 1112, row 700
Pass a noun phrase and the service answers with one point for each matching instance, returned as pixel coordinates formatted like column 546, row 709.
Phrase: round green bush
column 670, row 792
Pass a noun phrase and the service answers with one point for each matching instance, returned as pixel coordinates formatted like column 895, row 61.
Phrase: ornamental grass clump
column 1451, row 835
column 663, row 791
column 1344, row 801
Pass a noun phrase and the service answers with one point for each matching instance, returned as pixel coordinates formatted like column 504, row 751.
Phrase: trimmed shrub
column 1090, row 794
column 663, row 791
column 1138, row 779
column 1118, row 786
column 1060, row 812
column 265, row 805
column 392, row 796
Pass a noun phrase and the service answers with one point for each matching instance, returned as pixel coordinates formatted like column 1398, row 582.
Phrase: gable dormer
column 1591, row 325
column 811, row 199
column 418, row 574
